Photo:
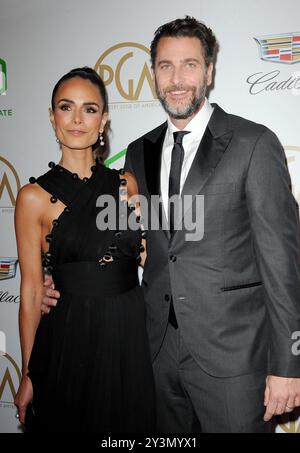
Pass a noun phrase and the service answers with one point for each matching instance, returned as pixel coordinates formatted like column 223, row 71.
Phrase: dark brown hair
column 187, row 27
column 85, row 73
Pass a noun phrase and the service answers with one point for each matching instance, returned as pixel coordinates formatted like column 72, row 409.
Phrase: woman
column 86, row 365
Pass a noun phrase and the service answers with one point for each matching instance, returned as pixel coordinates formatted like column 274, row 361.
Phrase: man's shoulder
column 240, row 125
column 245, row 125
column 152, row 135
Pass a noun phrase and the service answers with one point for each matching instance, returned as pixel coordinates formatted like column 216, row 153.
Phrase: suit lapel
column 214, row 143
column 152, row 158
column 208, row 155
column 212, row 147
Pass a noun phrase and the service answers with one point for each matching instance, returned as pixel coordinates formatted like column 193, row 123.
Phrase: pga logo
column 125, row 70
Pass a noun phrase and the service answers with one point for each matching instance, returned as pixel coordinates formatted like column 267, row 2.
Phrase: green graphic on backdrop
column 3, row 77
column 115, row 158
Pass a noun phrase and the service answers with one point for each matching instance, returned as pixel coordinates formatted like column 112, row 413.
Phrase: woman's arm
column 133, row 198
column 28, row 226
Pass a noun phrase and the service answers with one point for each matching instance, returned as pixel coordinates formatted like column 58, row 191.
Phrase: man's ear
column 152, row 74
column 209, row 74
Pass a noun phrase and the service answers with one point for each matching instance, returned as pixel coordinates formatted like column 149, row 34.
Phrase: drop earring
column 101, row 139
column 57, row 139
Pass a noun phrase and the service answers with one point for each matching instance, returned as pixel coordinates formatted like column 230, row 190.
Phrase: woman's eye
column 65, row 107
column 91, row 110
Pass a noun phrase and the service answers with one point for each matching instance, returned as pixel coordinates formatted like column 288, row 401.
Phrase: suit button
column 167, row 297
column 173, row 258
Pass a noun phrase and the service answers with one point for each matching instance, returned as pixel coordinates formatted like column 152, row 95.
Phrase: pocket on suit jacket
column 220, row 189
column 234, row 288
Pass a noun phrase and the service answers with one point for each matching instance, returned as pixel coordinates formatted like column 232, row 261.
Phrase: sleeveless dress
column 90, row 364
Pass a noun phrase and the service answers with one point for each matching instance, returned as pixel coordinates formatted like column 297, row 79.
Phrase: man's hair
column 187, row 27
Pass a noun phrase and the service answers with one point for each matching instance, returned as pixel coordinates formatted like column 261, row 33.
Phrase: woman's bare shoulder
column 31, row 195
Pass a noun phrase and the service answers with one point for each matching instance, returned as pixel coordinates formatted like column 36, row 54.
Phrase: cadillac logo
column 8, row 268
column 284, row 48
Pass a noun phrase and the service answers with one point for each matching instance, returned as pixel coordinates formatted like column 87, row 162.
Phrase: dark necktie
column 174, row 189
column 175, row 173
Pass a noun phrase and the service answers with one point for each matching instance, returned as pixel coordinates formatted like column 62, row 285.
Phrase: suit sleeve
column 274, row 221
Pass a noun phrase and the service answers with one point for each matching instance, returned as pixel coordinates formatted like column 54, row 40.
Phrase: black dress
column 90, row 364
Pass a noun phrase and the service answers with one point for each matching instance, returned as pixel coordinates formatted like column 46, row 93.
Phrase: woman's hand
column 23, row 397
column 50, row 296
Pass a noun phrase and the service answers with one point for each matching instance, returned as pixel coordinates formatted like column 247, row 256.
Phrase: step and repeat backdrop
column 257, row 76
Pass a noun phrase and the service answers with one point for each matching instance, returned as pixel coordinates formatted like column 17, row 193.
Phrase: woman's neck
column 78, row 161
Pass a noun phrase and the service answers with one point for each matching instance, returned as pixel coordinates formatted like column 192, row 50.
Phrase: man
column 221, row 311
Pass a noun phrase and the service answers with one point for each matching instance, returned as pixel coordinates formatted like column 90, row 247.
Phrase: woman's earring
column 57, row 139
column 101, row 139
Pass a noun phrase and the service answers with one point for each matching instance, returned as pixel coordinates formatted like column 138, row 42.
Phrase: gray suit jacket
column 236, row 292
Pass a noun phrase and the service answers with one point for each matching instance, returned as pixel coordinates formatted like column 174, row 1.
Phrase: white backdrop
column 41, row 40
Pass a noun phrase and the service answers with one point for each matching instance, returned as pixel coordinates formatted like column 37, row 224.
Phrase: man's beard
column 185, row 111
